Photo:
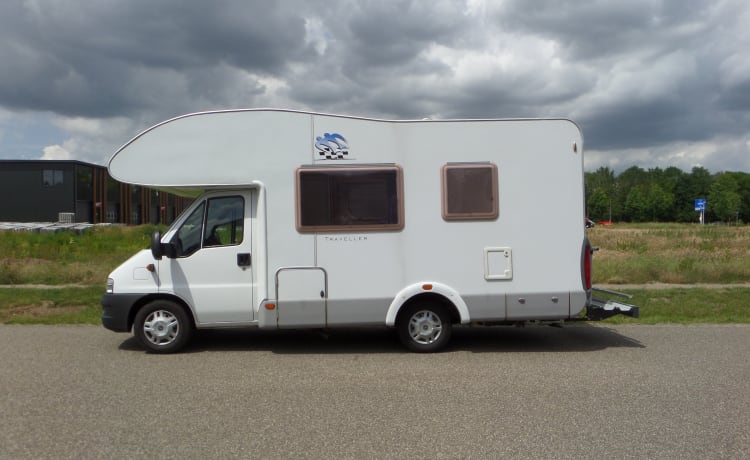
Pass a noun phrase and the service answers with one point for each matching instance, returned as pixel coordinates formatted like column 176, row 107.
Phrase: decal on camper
column 332, row 146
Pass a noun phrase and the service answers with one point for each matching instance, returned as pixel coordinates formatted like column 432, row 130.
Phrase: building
column 50, row 191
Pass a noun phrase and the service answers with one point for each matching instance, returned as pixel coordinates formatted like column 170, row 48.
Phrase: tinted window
column 188, row 237
column 349, row 199
column 84, row 183
column 52, row 177
column 224, row 221
column 470, row 191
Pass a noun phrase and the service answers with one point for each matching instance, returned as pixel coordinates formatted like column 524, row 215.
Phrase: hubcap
column 425, row 327
column 161, row 327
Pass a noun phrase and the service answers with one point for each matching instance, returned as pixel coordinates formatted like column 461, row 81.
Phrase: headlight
column 110, row 286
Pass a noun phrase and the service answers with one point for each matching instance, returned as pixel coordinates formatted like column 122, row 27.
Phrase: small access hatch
column 498, row 264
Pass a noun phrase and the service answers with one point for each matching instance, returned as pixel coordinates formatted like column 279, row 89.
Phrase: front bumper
column 116, row 311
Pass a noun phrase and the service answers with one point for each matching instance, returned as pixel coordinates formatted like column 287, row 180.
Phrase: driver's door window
column 220, row 225
column 188, row 237
column 224, row 221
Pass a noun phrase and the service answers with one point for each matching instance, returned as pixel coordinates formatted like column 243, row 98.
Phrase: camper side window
column 349, row 199
column 470, row 191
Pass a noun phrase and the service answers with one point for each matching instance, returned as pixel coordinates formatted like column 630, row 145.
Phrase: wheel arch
column 428, row 292
column 145, row 300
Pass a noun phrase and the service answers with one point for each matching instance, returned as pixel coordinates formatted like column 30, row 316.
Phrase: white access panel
column 301, row 297
column 498, row 264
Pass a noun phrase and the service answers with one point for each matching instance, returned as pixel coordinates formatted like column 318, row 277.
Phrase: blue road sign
column 700, row 204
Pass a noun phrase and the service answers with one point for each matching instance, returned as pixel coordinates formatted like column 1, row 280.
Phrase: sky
column 651, row 83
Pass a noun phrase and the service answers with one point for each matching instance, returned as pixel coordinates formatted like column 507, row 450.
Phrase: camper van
column 307, row 220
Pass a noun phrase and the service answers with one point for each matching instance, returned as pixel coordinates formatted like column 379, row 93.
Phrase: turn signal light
column 427, row 287
column 270, row 306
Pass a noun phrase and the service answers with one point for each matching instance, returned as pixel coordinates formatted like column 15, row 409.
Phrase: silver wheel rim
column 425, row 327
column 161, row 327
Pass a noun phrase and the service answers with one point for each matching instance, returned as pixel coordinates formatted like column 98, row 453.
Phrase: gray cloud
column 125, row 57
column 644, row 75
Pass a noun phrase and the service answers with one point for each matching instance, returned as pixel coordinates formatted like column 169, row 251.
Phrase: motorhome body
column 306, row 220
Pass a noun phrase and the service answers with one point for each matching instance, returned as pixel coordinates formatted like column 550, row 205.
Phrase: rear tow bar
column 599, row 309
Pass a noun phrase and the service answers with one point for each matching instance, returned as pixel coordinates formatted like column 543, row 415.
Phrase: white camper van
column 307, row 220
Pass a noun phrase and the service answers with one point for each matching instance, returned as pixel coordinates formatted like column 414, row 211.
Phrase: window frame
column 350, row 228
column 56, row 176
column 205, row 205
column 469, row 216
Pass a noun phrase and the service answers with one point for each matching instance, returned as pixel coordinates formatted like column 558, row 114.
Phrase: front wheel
column 162, row 326
column 424, row 328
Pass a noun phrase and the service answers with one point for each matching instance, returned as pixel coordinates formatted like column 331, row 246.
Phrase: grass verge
column 70, row 305
column 68, row 258
column 658, row 306
column 630, row 254
column 689, row 306
column 671, row 253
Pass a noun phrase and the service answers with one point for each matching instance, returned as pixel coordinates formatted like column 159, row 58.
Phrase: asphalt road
column 538, row 392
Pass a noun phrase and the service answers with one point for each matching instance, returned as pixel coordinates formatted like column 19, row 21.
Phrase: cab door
column 212, row 267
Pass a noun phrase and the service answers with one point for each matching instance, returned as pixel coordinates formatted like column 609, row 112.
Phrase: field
column 671, row 253
column 676, row 273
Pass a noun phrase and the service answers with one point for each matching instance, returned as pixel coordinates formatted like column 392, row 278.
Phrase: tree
column 660, row 203
column 626, row 182
column 648, row 202
column 599, row 205
column 743, row 183
column 600, row 185
column 636, row 204
column 681, row 208
column 723, row 198
column 666, row 195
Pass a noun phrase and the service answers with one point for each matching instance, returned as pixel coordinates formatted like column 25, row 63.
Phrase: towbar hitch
column 599, row 309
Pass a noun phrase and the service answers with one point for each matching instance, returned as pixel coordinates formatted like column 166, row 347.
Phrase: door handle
column 244, row 259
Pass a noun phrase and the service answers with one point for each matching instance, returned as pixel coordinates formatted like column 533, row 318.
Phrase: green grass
column 676, row 305
column 66, row 257
column 62, row 259
column 671, row 253
column 51, row 306
column 688, row 306
column 630, row 254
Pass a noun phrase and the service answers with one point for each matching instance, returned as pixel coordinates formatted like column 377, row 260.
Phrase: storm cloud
column 652, row 83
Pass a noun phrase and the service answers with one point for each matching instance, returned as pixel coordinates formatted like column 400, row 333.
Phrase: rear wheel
column 424, row 327
column 162, row 326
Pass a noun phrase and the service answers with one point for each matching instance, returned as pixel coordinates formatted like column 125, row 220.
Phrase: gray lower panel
column 550, row 305
column 486, row 307
column 332, row 313
column 352, row 312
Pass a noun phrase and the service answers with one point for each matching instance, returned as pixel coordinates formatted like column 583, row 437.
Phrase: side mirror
column 157, row 250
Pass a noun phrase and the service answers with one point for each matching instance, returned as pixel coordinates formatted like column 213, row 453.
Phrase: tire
column 162, row 326
column 424, row 327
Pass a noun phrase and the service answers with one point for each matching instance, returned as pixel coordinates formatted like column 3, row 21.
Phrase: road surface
column 582, row 391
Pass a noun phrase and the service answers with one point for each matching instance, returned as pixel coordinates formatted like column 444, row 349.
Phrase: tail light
column 587, row 255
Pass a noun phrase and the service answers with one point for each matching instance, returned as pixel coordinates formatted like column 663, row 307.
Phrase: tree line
column 666, row 195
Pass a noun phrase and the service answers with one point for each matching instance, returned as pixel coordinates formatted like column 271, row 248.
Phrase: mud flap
column 599, row 309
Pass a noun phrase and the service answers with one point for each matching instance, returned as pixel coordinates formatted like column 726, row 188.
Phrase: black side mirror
column 157, row 250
